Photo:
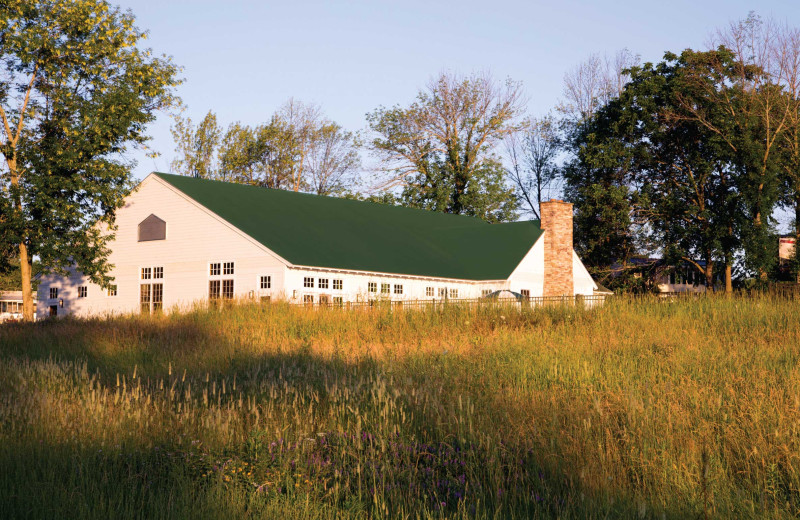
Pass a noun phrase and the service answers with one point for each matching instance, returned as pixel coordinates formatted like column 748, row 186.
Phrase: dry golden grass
column 637, row 409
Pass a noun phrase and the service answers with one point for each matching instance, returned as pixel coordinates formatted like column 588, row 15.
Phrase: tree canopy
column 441, row 148
column 77, row 93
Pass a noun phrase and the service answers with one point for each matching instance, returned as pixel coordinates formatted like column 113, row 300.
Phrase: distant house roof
column 329, row 232
column 11, row 295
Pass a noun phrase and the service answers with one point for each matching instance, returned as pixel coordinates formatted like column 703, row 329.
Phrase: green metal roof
column 313, row 230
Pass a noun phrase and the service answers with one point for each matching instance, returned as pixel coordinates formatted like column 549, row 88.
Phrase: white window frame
column 83, row 291
column 338, row 284
column 261, row 282
column 152, row 273
column 308, row 282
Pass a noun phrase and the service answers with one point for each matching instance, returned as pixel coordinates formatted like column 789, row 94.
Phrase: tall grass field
column 636, row 409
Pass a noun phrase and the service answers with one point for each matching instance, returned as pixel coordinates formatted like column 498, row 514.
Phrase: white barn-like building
column 181, row 240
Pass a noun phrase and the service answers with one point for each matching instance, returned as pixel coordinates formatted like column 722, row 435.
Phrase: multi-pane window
column 144, row 298
column 151, row 297
column 146, row 273
column 322, row 283
column 112, row 290
column 442, row 292
column 308, row 282
column 526, row 293
column 372, row 287
column 53, row 293
column 398, row 288
column 308, row 298
column 158, row 297
column 214, row 287
column 227, row 268
column 214, row 269
column 266, row 282
column 83, row 291
column 338, row 301
column 323, row 300
column 337, row 285
column 12, row 307
column 429, row 291
column 385, row 288
column 158, row 272
column 486, row 292
column 227, row 289
column 454, row 293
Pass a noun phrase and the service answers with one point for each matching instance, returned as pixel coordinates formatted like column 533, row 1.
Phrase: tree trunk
column 797, row 235
column 728, row 277
column 762, row 273
column 709, row 274
column 27, row 289
column 24, row 257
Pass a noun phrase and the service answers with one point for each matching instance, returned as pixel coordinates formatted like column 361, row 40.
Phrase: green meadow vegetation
column 637, row 409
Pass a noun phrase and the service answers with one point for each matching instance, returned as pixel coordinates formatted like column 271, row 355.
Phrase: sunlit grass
column 636, row 409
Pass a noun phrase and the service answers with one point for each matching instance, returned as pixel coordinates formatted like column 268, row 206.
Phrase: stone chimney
column 557, row 225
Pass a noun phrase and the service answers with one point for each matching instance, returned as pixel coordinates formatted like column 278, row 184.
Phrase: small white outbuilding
column 182, row 240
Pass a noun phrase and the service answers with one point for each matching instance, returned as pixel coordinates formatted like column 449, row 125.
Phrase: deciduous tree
column 76, row 93
column 196, row 146
column 532, row 154
column 441, row 147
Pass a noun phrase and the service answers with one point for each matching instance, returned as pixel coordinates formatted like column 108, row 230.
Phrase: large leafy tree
column 684, row 171
column 598, row 180
column 76, row 92
column 440, row 149
column 744, row 81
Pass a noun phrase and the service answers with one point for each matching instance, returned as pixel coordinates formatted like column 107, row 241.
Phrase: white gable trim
column 216, row 217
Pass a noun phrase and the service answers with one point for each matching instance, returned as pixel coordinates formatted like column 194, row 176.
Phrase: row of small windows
column 221, row 268
column 83, row 291
column 429, row 292
column 152, row 272
column 324, row 299
column 386, row 288
column 322, row 283
column 12, row 307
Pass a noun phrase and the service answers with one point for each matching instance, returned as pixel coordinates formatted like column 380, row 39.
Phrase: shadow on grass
column 428, row 467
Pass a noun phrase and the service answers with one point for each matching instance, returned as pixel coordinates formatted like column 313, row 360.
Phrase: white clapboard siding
column 195, row 238
column 529, row 274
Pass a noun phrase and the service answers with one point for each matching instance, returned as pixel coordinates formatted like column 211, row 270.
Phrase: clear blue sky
column 242, row 59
